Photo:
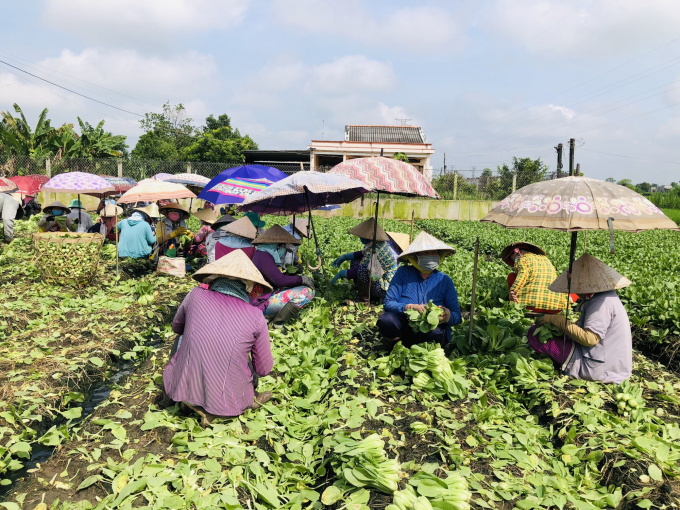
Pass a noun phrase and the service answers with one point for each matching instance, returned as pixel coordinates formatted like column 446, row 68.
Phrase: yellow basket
column 68, row 257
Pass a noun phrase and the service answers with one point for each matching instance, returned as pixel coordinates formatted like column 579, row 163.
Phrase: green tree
column 400, row 156
column 627, row 183
column 97, row 143
column 218, row 142
column 19, row 139
column 643, row 187
column 610, row 179
column 526, row 170
column 166, row 134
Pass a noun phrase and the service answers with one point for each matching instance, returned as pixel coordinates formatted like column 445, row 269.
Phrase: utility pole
column 445, row 162
column 572, row 145
column 559, row 160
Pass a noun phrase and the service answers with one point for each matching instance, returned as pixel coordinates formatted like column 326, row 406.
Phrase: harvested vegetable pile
column 490, row 426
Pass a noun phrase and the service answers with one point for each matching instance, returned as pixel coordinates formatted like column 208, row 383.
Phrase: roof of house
column 384, row 134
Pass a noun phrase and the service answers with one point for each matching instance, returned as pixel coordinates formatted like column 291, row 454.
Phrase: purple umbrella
column 234, row 185
column 79, row 182
column 162, row 177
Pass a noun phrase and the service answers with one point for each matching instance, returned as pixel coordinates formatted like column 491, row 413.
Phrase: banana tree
column 97, row 143
column 18, row 137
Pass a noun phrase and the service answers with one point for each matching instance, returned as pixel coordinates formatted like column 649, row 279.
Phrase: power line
column 24, row 63
column 634, row 157
column 72, row 91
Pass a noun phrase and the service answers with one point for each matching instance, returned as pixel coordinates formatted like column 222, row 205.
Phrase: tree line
column 168, row 136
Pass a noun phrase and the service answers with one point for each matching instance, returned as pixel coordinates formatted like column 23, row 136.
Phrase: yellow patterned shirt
column 535, row 273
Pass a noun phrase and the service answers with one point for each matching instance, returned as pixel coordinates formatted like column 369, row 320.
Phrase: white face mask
column 428, row 262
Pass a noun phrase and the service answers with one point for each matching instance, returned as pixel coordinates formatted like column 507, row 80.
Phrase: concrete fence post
column 188, row 167
column 455, row 185
column 514, row 182
column 48, row 167
column 120, row 167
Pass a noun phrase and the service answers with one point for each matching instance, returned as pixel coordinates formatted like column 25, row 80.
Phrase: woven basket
column 67, row 257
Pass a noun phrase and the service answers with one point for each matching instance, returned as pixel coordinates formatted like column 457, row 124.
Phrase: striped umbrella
column 150, row 190
column 122, row 185
column 234, row 185
column 7, row 186
column 387, row 175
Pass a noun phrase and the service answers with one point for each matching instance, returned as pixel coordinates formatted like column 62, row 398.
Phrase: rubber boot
column 288, row 312
column 362, row 290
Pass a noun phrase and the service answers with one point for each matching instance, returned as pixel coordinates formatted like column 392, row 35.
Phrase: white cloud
column 351, row 73
column 142, row 22
column 583, row 29
column 413, row 29
column 345, row 76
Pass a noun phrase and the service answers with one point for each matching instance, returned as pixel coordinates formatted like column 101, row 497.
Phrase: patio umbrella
column 189, row 180
column 121, row 184
column 26, row 185
column 150, row 190
column 304, row 191
column 7, row 186
column 386, row 175
column 234, row 185
column 572, row 203
column 161, row 177
column 82, row 183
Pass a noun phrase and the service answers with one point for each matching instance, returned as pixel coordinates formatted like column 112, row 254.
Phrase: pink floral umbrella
column 79, row 182
column 7, row 186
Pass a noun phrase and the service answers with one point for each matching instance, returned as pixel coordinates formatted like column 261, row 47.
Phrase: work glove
column 179, row 232
column 347, row 256
column 50, row 218
column 341, row 274
column 308, row 281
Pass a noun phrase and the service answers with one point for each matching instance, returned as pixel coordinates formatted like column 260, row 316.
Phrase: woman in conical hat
column 359, row 269
column 599, row 347
column 224, row 344
column 199, row 246
column 55, row 219
column 415, row 284
column 533, row 273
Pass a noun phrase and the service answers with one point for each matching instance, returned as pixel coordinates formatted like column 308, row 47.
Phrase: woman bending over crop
column 291, row 293
column 172, row 231
column 135, row 238
column 533, row 274
column 198, row 248
column 386, row 251
column 224, row 343
column 413, row 286
column 599, row 347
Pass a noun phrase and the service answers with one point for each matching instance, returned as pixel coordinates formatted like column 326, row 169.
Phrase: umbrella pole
column 370, row 261
column 115, row 229
column 474, row 288
column 316, row 241
column 80, row 218
column 572, row 254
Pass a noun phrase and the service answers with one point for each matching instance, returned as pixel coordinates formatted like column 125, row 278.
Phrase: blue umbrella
column 234, row 185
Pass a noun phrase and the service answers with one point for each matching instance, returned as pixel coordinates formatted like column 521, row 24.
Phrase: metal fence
column 455, row 184
column 137, row 169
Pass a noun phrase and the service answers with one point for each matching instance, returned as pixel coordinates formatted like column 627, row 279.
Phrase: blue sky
column 486, row 80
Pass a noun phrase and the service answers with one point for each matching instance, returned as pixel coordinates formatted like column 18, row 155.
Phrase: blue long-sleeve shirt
column 135, row 239
column 409, row 287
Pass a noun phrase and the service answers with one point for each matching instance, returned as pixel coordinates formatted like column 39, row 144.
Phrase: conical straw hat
column 365, row 231
column 111, row 211
column 242, row 227
column 400, row 239
column 301, row 225
column 507, row 251
column 590, row 275
column 173, row 206
column 207, row 215
column 276, row 235
column 425, row 242
column 57, row 205
column 235, row 265
column 152, row 211
column 223, row 221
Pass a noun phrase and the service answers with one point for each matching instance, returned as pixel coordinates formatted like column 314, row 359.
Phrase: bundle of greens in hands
column 426, row 321
column 546, row 332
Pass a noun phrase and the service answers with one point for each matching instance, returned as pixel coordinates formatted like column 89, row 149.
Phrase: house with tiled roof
column 364, row 141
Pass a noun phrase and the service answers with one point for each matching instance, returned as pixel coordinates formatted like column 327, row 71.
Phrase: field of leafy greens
column 352, row 419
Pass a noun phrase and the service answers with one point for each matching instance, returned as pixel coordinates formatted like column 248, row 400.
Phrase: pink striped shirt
column 210, row 368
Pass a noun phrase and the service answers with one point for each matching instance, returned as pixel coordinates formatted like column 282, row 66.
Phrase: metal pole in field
column 559, row 160
column 413, row 213
column 370, row 262
column 572, row 249
column 474, row 288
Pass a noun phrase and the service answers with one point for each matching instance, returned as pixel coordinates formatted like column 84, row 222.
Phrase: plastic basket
column 68, row 257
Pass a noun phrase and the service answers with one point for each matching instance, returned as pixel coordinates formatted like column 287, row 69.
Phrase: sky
column 486, row 80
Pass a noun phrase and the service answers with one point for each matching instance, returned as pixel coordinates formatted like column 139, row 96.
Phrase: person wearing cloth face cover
column 533, row 274
column 54, row 219
column 599, row 347
column 10, row 210
column 291, row 293
column 172, row 226
column 413, row 286
column 359, row 266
